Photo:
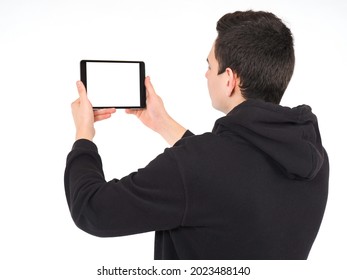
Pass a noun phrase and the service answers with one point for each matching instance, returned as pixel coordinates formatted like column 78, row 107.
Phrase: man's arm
column 153, row 198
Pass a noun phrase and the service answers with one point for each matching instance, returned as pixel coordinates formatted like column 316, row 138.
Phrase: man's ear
column 231, row 82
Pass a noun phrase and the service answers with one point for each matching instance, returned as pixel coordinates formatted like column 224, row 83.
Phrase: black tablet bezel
column 83, row 72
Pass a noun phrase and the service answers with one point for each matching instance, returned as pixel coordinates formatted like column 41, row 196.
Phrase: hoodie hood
column 289, row 136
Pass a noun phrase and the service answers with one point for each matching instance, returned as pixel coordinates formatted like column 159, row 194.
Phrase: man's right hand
column 156, row 118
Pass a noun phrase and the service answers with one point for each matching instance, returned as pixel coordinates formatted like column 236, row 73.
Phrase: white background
column 41, row 44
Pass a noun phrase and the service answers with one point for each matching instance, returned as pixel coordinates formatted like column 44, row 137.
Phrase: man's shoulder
column 197, row 146
column 200, row 139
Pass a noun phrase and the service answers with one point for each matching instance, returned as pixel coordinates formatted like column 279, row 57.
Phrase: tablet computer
column 114, row 84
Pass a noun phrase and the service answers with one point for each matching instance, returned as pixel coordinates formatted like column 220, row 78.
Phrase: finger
column 102, row 117
column 103, row 114
column 82, row 92
column 129, row 111
column 132, row 111
column 104, row 111
column 149, row 86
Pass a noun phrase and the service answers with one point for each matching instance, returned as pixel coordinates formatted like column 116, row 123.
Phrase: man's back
column 248, row 195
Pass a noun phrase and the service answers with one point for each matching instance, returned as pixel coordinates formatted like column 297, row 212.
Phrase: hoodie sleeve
column 153, row 198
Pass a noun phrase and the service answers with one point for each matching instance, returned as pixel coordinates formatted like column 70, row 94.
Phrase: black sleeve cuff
column 85, row 144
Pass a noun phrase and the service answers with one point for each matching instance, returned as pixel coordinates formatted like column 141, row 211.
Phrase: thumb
column 149, row 87
column 82, row 92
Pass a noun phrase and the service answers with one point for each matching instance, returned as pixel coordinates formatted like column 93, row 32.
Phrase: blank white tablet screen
column 112, row 84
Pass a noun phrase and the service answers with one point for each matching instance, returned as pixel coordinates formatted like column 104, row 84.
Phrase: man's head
column 257, row 48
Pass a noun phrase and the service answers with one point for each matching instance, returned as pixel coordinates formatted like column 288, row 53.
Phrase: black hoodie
column 254, row 188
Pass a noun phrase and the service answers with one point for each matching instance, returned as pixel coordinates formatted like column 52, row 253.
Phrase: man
column 254, row 188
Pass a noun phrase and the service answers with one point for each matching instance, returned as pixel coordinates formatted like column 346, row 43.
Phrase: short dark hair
column 258, row 47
